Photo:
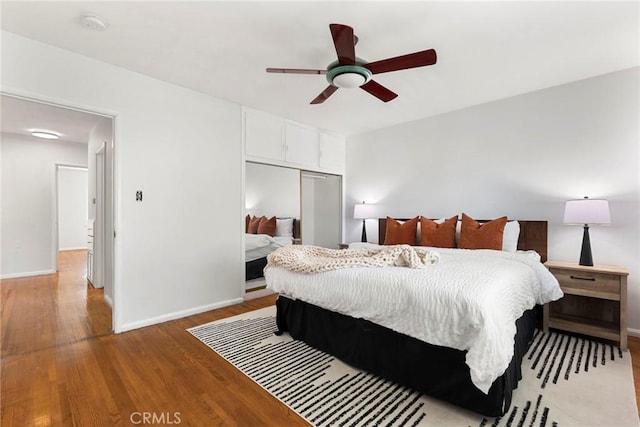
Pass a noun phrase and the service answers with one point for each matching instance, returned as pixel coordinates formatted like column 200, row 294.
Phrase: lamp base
column 364, row 232
column 585, row 253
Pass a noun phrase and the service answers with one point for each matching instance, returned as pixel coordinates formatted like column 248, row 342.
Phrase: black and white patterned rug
column 567, row 381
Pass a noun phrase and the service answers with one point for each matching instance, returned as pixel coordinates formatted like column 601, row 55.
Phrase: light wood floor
column 62, row 366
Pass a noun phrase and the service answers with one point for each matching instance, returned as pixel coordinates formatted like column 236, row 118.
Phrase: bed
column 258, row 246
column 442, row 371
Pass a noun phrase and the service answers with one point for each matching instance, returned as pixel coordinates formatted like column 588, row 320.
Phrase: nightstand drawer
column 588, row 282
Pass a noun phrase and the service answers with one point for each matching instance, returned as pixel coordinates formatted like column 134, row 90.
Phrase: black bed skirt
column 437, row 371
column 255, row 268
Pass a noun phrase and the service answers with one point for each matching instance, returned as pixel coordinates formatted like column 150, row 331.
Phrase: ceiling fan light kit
column 350, row 72
column 348, row 76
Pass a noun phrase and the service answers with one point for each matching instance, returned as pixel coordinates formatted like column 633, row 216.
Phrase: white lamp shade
column 587, row 211
column 364, row 211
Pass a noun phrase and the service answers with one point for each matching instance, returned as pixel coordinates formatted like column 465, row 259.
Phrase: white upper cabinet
column 301, row 145
column 272, row 140
column 263, row 136
column 332, row 152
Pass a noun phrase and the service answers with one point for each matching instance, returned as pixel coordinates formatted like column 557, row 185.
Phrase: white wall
column 272, row 190
column 178, row 251
column 28, row 175
column 522, row 157
column 72, row 208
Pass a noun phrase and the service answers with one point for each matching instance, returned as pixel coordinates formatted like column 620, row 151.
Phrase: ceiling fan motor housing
column 348, row 76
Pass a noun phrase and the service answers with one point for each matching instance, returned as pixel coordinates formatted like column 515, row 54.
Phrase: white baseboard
column 178, row 315
column 108, row 300
column 633, row 332
column 27, row 274
column 80, row 248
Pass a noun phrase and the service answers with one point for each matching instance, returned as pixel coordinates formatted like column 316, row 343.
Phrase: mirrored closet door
column 307, row 207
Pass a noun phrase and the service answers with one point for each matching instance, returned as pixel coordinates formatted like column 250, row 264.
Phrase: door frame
column 114, row 167
column 56, row 206
column 99, row 236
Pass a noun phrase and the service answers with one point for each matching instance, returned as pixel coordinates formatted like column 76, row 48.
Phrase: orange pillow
column 438, row 235
column 401, row 234
column 474, row 235
column 267, row 226
column 254, row 222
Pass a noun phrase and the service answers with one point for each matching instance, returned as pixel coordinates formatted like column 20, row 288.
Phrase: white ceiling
column 21, row 116
column 486, row 50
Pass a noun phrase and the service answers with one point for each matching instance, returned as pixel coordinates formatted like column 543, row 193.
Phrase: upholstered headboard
column 533, row 235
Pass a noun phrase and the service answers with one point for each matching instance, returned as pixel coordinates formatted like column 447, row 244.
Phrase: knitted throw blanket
column 314, row 259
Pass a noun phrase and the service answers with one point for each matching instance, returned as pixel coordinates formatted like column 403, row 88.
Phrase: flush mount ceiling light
column 94, row 22
column 45, row 135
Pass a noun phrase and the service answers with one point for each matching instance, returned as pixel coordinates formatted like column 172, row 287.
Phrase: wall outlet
column 138, row 196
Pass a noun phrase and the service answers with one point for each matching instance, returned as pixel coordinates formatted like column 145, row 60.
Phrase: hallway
column 39, row 312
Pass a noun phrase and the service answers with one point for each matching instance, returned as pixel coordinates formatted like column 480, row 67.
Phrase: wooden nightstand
column 594, row 302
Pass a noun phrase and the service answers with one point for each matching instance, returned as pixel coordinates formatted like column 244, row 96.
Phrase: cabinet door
column 263, row 137
column 302, row 145
column 332, row 152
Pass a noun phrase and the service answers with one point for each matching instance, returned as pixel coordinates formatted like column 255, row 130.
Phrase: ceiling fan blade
column 345, row 42
column 325, row 94
column 412, row 60
column 295, row 71
column 379, row 91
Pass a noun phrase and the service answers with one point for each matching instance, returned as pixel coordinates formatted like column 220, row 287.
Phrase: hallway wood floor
column 61, row 365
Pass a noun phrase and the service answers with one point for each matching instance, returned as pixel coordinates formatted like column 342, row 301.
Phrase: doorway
column 321, row 209
column 32, row 247
column 72, row 193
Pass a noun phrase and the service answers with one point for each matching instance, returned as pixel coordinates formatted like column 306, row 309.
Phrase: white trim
column 107, row 299
column 633, row 332
column 27, row 274
column 178, row 314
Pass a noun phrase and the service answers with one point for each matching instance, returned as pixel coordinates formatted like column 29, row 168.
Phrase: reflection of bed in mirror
column 260, row 241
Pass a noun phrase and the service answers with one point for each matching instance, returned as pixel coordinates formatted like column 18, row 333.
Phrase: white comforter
column 470, row 300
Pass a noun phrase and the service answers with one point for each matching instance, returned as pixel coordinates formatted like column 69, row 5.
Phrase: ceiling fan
column 350, row 71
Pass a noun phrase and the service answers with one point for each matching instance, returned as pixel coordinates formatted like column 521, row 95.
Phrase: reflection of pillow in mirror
column 267, row 226
column 284, row 227
column 254, row 222
column 398, row 233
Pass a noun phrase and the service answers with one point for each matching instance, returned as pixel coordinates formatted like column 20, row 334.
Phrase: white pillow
column 284, row 227
column 510, row 236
